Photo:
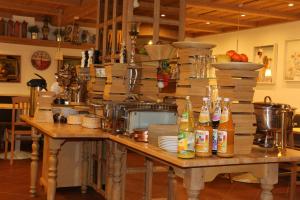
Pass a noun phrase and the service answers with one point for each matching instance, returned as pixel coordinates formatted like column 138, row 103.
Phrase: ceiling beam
column 163, row 9
column 10, row 5
column 215, row 20
column 59, row 2
column 238, row 10
column 87, row 7
column 201, row 29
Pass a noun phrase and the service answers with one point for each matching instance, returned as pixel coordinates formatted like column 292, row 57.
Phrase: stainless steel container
column 269, row 114
column 274, row 124
column 124, row 117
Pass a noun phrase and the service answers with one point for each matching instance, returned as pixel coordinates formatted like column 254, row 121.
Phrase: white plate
column 238, row 65
column 168, row 142
column 168, row 137
column 191, row 44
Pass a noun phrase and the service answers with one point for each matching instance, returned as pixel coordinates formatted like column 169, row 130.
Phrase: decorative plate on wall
column 40, row 60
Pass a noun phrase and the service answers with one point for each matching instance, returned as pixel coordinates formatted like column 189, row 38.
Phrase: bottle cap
column 205, row 98
column 219, row 98
column 226, row 99
column 187, row 97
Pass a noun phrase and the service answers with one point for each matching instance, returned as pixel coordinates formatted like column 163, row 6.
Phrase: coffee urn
column 35, row 85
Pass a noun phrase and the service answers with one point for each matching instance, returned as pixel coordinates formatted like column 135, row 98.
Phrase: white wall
column 281, row 91
column 27, row 70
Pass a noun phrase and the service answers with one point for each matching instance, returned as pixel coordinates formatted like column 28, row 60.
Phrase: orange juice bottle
column 226, row 132
column 186, row 137
column 203, row 132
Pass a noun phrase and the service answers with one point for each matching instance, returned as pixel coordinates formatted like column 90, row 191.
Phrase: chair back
column 20, row 106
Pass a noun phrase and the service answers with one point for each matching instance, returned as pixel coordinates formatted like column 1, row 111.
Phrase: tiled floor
column 14, row 182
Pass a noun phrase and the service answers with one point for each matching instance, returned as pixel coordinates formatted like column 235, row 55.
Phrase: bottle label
column 202, row 141
column 204, row 116
column 222, row 141
column 185, row 117
column 186, row 142
column 224, row 116
column 217, row 115
column 215, row 140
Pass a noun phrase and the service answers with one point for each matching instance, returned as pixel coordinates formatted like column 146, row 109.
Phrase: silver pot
column 269, row 115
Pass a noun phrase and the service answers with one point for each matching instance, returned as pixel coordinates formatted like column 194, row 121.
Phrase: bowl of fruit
column 233, row 60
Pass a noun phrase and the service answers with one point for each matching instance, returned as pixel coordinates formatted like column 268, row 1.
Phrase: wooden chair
column 20, row 105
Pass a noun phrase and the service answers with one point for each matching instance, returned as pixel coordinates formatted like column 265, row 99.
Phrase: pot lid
column 269, row 104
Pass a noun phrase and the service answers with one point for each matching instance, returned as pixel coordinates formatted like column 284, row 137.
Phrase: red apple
column 230, row 53
column 244, row 57
column 236, row 57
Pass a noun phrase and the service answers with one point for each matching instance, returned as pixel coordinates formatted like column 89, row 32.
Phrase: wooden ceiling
column 203, row 17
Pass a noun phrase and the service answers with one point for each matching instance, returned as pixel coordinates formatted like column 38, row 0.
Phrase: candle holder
column 133, row 37
column 132, row 71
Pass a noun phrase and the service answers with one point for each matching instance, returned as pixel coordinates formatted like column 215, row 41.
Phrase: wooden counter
column 195, row 171
column 56, row 135
column 258, row 155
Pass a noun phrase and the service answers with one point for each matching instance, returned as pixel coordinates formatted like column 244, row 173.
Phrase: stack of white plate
column 168, row 143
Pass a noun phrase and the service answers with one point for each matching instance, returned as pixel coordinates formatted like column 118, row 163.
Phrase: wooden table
column 57, row 134
column 199, row 170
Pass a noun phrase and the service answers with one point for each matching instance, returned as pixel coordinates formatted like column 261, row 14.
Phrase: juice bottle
column 226, row 132
column 215, row 124
column 203, row 132
column 186, row 136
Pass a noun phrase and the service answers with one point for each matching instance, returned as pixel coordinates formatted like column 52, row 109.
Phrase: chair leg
column 6, row 144
column 12, row 148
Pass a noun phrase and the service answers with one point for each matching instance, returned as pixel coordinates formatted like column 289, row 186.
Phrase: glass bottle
column 203, row 132
column 186, row 136
column 215, row 124
column 226, row 132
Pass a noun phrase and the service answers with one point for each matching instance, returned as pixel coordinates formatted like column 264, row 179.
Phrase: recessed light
column 290, row 5
column 207, row 23
column 243, row 15
column 162, row 15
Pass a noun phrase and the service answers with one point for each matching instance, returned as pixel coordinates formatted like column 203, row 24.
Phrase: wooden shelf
column 47, row 43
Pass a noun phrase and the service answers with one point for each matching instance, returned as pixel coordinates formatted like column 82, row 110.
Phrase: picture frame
column 266, row 55
column 292, row 60
column 10, row 68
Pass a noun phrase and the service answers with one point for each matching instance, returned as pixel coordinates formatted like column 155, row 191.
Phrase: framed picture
column 10, row 68
column 292, row 60
column 266, row 55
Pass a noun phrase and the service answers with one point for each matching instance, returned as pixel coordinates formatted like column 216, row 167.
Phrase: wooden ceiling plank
column 87, row 7
column 164, row 9
column 233, row 9
column 10, row 5
column 60, row 2
column 201, row 29
column 216, row 20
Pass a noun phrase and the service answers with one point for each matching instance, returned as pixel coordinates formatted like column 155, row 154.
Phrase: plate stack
column 168, row 143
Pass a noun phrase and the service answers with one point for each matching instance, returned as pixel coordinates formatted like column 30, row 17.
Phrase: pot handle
column 267, row 98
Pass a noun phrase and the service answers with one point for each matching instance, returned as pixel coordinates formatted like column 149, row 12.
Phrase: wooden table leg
column 193, row 182
column 84, row 176
column 171, row 184
column 110, row 170
column 118, row 153
column 293, row 181
column 34, row 161
column 54, row 147
column 269, row 179
column 148, row 180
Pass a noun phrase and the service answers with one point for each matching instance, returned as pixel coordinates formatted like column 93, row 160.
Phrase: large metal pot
column 269, row 115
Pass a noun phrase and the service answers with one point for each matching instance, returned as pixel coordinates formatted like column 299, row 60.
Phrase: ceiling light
column 207, row 23
column 243, row 15
column 290, row 5
column 162, row 15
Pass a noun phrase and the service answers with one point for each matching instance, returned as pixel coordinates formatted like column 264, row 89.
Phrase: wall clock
column 40, row 60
